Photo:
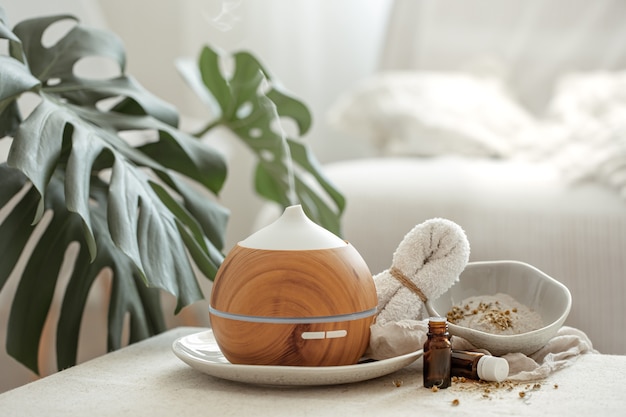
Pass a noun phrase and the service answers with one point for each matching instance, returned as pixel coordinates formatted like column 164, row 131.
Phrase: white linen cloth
column 397, row 338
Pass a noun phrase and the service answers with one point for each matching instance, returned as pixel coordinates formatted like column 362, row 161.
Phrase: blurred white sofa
column 509, row 118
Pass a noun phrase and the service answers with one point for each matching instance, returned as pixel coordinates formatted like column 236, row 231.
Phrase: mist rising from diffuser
column 291, row 182
column 225, row 21
column 226, row 18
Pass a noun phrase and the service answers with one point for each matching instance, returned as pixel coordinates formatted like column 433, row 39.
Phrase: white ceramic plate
column 201, row 352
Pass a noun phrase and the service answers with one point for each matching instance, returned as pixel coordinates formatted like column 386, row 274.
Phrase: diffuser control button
column 335, row 334
column 313, row 335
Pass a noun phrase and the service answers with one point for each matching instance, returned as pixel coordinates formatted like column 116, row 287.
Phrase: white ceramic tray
column 201, row 352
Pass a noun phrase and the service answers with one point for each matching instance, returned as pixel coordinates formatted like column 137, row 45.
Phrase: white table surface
column 147, row 379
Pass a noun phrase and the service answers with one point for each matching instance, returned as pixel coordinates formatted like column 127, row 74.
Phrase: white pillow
column 428, row 113
column 592, row 106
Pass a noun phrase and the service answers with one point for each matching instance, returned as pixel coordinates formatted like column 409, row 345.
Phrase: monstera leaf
column 103, row 193
column 250, row 103
column 142, row 211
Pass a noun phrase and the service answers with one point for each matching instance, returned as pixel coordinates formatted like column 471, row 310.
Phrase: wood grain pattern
column 288, row 284
column 249, row 343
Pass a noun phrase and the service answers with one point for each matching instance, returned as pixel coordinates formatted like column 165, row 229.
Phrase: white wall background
column 315, row 48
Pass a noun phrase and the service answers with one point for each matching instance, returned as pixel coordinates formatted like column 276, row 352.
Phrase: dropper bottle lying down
column 476, row 365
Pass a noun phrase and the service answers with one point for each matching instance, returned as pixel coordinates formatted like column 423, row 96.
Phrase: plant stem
column 207, row 128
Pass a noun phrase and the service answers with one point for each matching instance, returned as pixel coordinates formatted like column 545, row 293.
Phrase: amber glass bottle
column 476, row 365
column 437, row 354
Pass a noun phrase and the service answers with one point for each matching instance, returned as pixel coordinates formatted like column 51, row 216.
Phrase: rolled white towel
column 427, row 262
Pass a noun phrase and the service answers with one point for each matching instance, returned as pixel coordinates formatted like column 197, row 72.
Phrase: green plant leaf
column 58, row 60
column 34, row 292
column 15, row 229
column 128, row 206
column 14, row 81
column 198, row 231
column 252, row 106
column 129, row 295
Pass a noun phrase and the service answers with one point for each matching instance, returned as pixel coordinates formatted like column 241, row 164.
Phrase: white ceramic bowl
column 526, row 284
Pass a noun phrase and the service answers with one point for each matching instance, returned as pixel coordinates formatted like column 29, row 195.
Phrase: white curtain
column 529, row 43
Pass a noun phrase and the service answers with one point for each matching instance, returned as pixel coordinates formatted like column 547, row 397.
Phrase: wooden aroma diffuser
column 293, row 294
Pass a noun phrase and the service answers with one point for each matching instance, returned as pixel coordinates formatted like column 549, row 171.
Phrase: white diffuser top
column 293, row 231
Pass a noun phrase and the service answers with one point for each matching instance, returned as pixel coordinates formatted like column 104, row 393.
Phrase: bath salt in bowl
column 504, row 307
